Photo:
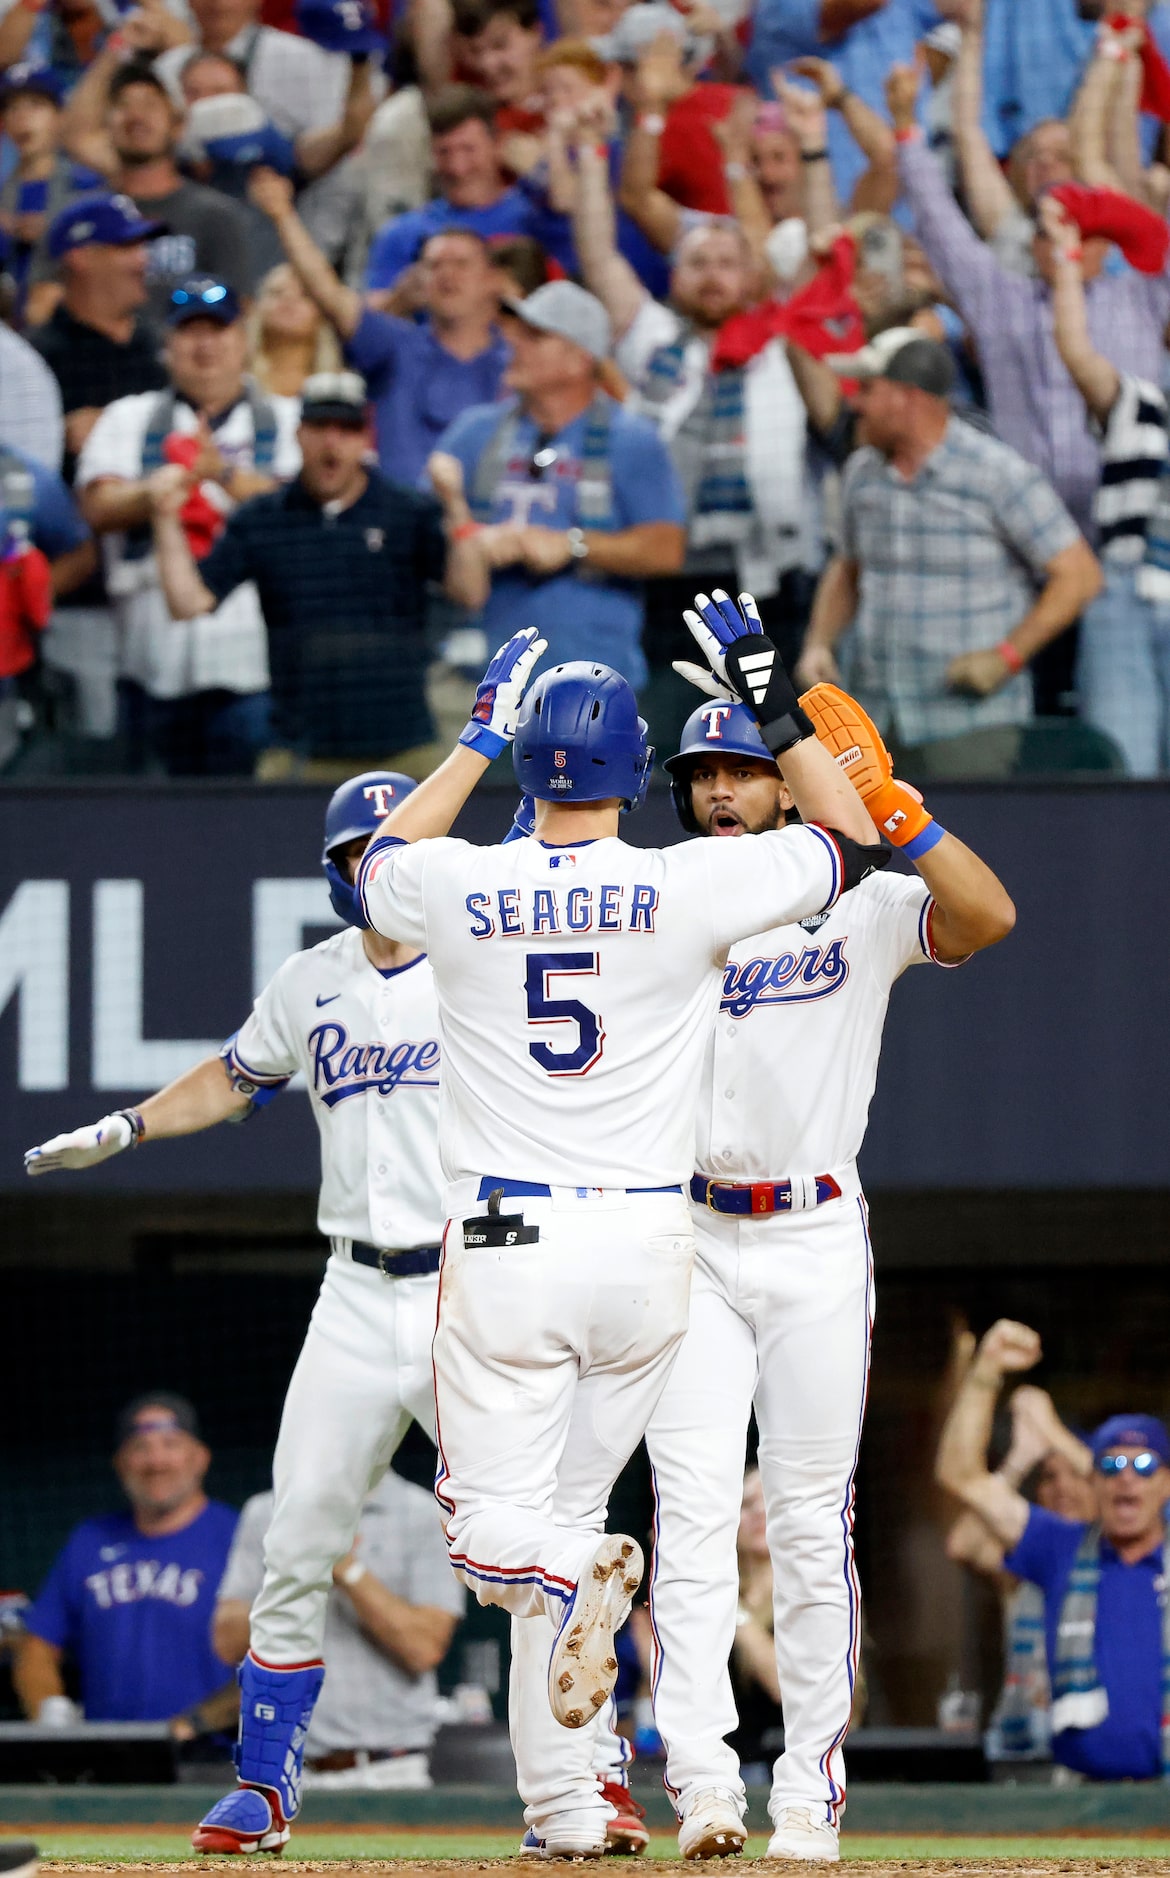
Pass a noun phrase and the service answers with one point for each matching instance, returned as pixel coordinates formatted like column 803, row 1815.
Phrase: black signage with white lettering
column 137, row 923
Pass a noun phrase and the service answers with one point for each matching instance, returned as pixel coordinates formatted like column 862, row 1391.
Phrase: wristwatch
column 578, row 544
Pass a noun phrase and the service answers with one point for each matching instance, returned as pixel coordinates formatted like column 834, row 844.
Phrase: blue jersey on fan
column 134, row 1613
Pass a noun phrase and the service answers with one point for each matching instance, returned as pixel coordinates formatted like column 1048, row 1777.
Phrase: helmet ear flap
column 343, row 897
column 680, row 795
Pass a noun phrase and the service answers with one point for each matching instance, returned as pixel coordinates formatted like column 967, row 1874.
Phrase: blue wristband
column 483, row 741
column 930, row 837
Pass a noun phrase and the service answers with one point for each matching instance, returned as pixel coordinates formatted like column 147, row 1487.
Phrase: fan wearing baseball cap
column 1106, row 1619
column 575, row 494
column 958, row 562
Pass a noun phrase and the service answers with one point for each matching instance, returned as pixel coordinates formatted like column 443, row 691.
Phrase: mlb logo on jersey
column 562, row 860
column 714, row 716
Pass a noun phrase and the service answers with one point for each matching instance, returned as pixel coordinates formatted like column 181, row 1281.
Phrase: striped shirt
column 949, row 562
column 1034, row 404
column 1134, row 452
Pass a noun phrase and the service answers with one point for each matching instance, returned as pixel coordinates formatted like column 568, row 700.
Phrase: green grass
column 139, row 1847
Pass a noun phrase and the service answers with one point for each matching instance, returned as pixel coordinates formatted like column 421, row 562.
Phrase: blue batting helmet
column 580, row 739
column 721, row 728
column 358, row 807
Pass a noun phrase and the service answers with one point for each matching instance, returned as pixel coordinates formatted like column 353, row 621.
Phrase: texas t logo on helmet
column 382, row 796
column 358, row 808
column 713, row 716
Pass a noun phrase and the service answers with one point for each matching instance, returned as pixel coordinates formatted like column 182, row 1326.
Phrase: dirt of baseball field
column 517, row 1868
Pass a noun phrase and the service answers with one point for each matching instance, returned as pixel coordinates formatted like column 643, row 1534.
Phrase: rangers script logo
column 793, row 978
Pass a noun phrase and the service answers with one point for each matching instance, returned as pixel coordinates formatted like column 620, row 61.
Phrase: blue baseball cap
column 113, row 221
column 199, row 297
column 31, row 80
column 1132, row 1431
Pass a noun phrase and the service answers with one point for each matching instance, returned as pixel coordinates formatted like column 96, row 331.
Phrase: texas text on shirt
column 134, row 1611
column 814, row 994
column 600, row 967
column 367, row 1043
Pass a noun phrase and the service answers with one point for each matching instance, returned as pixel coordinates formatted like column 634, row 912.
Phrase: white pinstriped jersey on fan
column 329, row 1012
column 587, row 979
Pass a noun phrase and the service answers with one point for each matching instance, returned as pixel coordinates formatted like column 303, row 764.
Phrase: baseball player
column 782, row 1299
column 357, row 1015
column 577, row 980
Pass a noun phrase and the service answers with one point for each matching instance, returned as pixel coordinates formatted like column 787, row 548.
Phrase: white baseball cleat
column 582, row 1668
column 712, row 1825
column 563, row 1839
column 800, row 1834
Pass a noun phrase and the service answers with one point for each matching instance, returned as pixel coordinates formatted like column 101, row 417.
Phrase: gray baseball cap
column 334, row 398
column 561, row 307
column 904, row 356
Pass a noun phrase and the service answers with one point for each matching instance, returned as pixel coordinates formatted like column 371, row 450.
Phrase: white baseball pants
column 364, row 1371
column 549, row 1359
column 781, row 1316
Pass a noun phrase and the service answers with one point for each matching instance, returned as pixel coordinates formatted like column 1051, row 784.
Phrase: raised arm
column 964, row 261
column 320, row 150
column 985, row 188
column 733, row 134
column 659, row 82
column 83, row 128
column 961, row 1463
column 431, row 809
column 1097, row 380
column 339, row 303
column 877, row 187
column 808, row 120
column 1093, row 108
column 605, row 272
column 972, row 907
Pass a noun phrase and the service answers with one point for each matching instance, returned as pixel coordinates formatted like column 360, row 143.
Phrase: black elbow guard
column 859, row 860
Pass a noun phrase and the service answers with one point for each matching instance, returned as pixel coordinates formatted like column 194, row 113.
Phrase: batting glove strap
column 484, row 741
column 137, row 1125
column 756, row 672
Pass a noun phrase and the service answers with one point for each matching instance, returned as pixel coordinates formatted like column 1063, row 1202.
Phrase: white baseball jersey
column 577, row 987
column 792, row 1060
column 368, row 1044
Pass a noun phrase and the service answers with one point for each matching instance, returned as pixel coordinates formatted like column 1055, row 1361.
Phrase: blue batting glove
column 496, row 710
column 524, row 823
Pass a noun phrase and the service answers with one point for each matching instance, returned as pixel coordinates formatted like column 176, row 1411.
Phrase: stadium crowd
column 859, row 304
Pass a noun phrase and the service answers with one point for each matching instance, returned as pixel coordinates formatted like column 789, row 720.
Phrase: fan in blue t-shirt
column 1106, row 1619
column 130, row 1597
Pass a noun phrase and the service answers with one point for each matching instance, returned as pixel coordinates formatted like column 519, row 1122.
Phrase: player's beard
column 762, row 825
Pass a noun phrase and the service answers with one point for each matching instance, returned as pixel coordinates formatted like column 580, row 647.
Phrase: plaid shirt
column 949, row 563
column 1035, row 405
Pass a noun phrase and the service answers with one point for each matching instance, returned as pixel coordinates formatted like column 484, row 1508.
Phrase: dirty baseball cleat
column 583, row 1666
column 712, row 1826
column 799, row 1833
column 248, row 1820
column 625, row 1833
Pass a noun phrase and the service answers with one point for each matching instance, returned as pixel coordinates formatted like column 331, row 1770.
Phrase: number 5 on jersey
column 543, row 1010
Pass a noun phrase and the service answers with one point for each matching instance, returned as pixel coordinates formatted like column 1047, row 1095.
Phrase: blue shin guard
column 276, row 1706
